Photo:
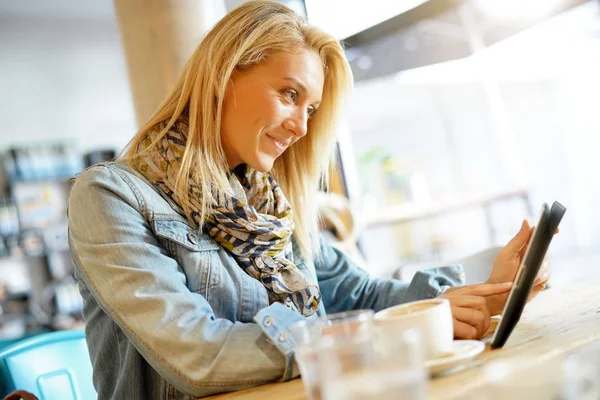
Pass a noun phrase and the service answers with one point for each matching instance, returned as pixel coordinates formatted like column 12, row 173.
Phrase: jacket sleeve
column 141, row 288
column 346, row 286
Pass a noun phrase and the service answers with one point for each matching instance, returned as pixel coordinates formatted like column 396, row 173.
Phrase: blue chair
column 52, row 366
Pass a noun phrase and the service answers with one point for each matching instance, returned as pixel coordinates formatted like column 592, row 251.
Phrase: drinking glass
column 373, row 367
column 308, row 334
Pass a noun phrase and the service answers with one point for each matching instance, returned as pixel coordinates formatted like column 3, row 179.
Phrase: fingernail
column 507, row 283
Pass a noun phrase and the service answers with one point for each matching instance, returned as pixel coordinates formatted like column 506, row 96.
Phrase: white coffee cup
column 432, row 317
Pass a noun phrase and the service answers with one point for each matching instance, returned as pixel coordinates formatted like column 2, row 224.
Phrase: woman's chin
column 263, row 163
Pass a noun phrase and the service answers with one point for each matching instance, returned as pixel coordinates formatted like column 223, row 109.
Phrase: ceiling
column 439, row 31
column 430, row 33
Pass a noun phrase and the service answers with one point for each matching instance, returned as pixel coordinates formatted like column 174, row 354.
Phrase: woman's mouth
column 279, row 144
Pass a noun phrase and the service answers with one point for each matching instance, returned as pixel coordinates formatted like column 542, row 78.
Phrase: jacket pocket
column 196, row 253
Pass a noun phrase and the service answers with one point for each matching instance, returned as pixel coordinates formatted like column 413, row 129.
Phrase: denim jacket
column 170, row 314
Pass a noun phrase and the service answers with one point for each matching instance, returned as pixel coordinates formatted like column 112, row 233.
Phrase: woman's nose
column 297, row 123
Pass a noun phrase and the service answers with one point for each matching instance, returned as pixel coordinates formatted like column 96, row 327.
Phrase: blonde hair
column 243, row 39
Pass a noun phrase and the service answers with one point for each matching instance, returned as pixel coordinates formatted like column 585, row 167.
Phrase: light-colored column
column 158, row 38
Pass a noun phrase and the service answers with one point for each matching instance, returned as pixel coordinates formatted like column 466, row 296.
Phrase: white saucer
column 462, row 350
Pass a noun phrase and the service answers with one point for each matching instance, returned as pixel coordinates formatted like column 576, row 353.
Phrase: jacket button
column 192, row 238
column 268, row 321
column 283, row 337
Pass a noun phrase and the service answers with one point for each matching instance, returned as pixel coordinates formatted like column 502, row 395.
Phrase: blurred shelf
column 407, row 212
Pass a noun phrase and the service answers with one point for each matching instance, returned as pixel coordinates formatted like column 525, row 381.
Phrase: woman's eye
column 291, row 94
column 311, row 111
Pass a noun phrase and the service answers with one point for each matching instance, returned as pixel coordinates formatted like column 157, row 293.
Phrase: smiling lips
column 280, row 144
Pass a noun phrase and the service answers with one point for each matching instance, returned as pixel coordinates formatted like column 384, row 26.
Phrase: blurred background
column 466, row 116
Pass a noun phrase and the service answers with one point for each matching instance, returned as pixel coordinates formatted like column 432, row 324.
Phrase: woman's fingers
column 473, row 311
column 465, row 331
column 536, row 290
column 543, row 275
column 542, row 279
column 519, row 243
column 470, row 311
column 520, row 239
column 484, row 289
column 466, row 300
column 470, row 316
column 478, row 319
column 545, row 264
column 523, row 249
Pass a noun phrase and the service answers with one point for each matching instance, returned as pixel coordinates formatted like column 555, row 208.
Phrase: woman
column 199, row 247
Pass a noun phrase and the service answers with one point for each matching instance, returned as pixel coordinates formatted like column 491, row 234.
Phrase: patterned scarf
column 255, row 227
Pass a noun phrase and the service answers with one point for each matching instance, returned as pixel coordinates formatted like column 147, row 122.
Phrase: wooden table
column 558, row 321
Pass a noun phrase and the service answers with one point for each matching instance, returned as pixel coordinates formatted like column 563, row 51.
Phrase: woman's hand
column 507, row 264
column 470, row 312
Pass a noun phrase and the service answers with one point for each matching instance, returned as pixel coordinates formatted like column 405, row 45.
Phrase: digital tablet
column 530, row 265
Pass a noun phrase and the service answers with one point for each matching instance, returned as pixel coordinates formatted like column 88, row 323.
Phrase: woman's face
column 266, row 108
